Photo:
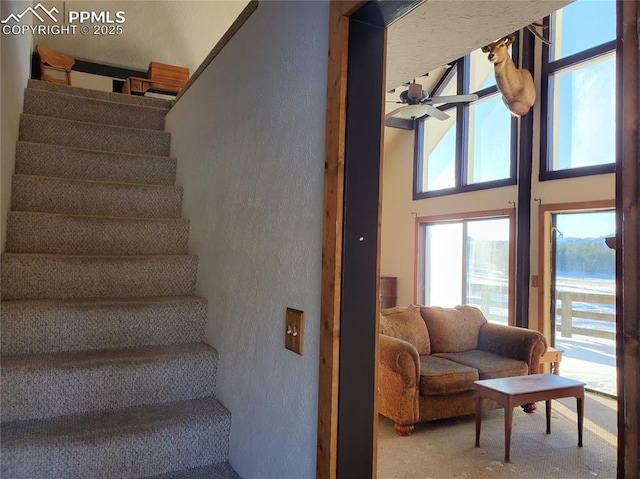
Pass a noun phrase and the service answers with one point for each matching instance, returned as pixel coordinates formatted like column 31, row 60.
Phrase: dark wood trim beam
column 628, row 238
column 359, row 298
column 523, row 222
column 383, row 13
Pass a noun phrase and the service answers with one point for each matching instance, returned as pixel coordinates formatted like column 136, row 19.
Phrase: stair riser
column 100, row 95
column 50, row 104
column 127, row 456
column 102, row 388
column 55, row 234
column 41, row 277
column 49, row 327
column 93, row 136
column 48, row 195
column 49, row 160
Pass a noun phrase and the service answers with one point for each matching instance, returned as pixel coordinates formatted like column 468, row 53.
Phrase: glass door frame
column 546, row 254
column 509, row 213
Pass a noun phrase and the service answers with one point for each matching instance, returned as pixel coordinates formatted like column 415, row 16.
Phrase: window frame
column 420, row 261
column 548, row 69
column 462, row 66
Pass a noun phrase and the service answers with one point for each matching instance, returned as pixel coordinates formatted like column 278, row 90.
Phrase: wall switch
column 534, row 281
column 294, row 329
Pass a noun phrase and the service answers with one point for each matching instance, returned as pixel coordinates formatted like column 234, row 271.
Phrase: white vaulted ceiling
column 465, row 24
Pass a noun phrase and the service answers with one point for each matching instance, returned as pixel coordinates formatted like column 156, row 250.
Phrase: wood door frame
column 627, row 253
column 627, row 237
column 544, row 252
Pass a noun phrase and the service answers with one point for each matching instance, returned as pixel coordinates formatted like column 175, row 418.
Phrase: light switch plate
column 294, row 330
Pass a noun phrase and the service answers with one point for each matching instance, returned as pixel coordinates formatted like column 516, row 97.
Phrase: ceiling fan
column 418, row 103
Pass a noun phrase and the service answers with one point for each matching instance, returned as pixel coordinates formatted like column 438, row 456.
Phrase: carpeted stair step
column 215, row 471
column 42, row 276
column 40, row 159
column 51, row 233
column 94, row 198
column 93, row 136
column 130, row 443
column 99, row 381
column 100, row 95
column 40, row 326
column 92, row 110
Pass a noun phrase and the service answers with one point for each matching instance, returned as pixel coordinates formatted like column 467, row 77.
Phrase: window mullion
column 465, row 264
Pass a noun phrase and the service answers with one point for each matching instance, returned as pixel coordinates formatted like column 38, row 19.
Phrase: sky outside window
column 581, row 25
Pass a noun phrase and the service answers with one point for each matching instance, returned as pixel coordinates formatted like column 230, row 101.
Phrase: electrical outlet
column 294, row 330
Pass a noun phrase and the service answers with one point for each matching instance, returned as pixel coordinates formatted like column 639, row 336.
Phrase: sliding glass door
column 583, row 297
column 467, row 261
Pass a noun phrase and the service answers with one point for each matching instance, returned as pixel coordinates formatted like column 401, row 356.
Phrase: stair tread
column 88, row 150
column 104, row 358
column 95, row 428
column 102, row 302
column 126, row 219
column 98, row 125
column 89, row 93
column 96, row 257
column 99, row 182
column 106, row 102
column 41, row 326
column 93, row 110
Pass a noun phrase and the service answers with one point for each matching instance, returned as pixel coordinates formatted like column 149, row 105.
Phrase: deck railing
column 568, row 313
column 490, row 298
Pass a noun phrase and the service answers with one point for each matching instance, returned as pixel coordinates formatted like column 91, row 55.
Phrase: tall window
column 473, row 149
column 468, row 261
column 578, row 91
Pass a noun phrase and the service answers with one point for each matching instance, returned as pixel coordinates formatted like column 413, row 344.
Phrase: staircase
column 104, row 370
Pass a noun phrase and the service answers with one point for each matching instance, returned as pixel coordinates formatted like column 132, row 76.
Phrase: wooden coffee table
column 519, row 390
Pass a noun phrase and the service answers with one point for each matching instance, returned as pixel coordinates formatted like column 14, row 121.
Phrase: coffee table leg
column 580, row 408
column 548, row 409
column 478, row 417
column 508, row 416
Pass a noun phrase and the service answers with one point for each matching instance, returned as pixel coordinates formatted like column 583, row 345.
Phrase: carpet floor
column 446, row 449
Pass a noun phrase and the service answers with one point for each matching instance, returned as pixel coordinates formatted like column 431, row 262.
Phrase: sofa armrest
column 398, row 380
column 516, row 343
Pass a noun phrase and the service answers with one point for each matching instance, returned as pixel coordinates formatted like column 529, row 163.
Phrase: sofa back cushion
column 453, row 330
column 407, row 324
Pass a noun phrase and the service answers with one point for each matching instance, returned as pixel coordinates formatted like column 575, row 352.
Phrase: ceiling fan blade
column 393, row 112
column 453, row 98
column 434, row 112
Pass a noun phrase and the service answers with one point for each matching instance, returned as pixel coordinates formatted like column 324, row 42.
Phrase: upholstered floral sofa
column 431, row 356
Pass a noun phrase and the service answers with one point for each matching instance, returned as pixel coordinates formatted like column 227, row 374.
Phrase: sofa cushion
column 441, row 376
column 406, row 323
column 488, row 365
column 452, row 330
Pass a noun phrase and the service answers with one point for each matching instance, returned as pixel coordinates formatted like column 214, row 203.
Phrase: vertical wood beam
column 523, row 221
column 327, row 434
column 628, row 238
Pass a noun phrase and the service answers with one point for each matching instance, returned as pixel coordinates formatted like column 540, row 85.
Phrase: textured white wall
column 175, row 32
column 249, row 138
column 14, row 72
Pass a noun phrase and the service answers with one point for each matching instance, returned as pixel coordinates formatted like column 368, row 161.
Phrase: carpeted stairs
column 104, row 370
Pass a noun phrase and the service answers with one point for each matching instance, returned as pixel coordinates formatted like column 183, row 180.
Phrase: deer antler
column 532, row 27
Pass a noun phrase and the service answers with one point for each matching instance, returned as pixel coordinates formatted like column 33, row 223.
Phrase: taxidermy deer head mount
column 515, row 84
